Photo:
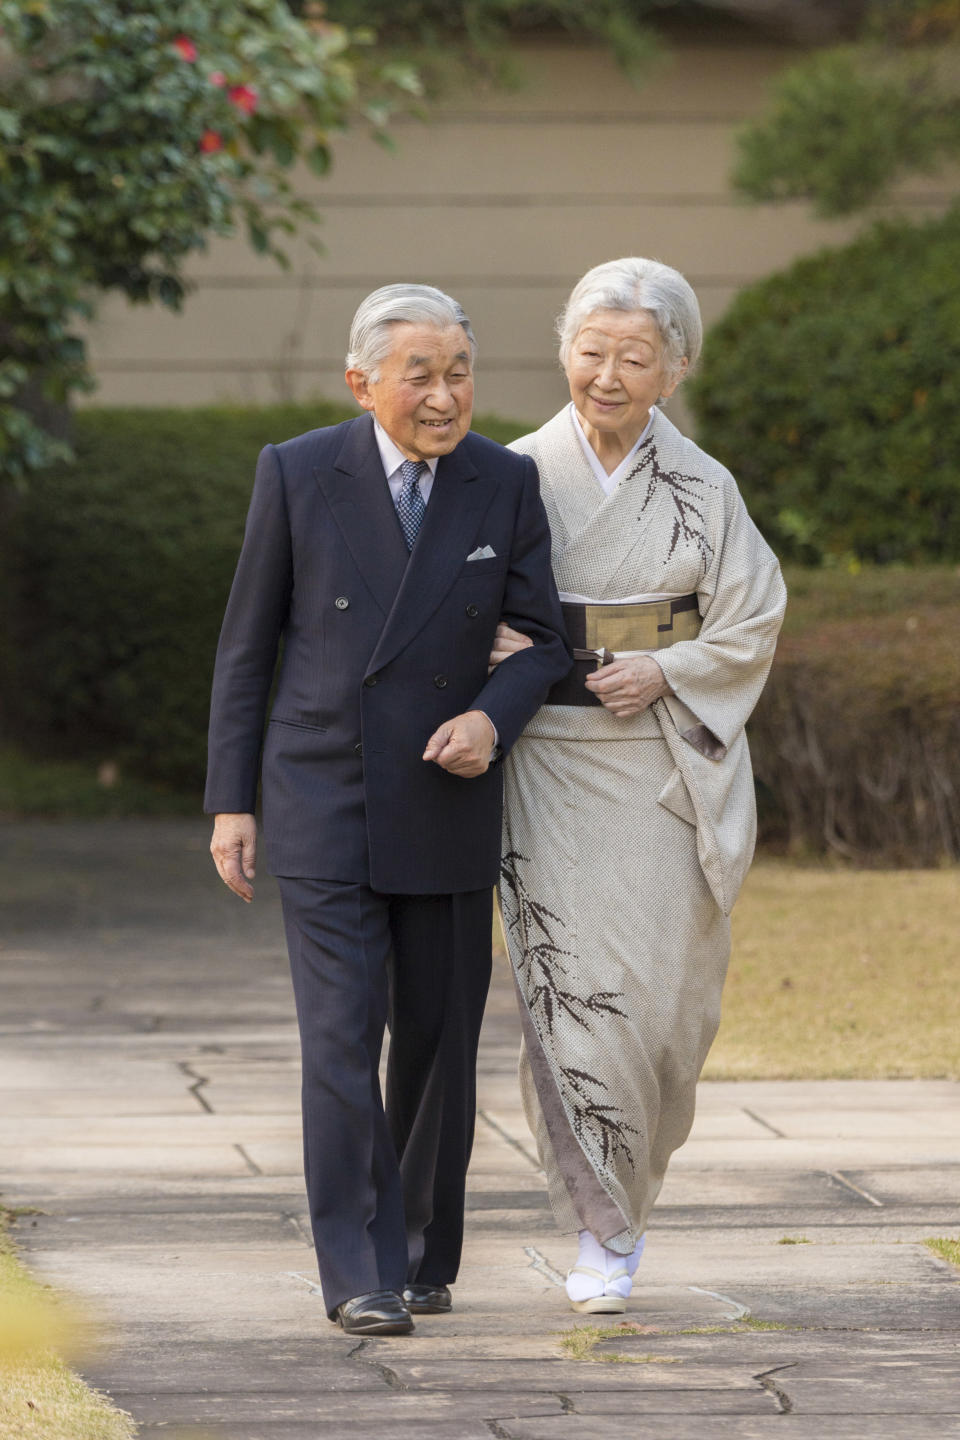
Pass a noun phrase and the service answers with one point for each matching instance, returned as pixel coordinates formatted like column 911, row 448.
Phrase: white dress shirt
column 392, row 457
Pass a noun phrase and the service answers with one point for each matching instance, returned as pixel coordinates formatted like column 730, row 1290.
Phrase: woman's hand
column 506, row 643
column 628, row 686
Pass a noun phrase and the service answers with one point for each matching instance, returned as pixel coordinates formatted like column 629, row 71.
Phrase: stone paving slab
column 924, row 1183
column 148, row 1104
column 148, row 1131
column 34, row 1159
column 449, row 1426
column 934, row 1306
column 95, row 1227
column 826, row 1154
column 648, row 1425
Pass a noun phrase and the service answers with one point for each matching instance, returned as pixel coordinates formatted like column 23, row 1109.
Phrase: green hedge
column 115, row 573
column 832, row 391
column 856, row 739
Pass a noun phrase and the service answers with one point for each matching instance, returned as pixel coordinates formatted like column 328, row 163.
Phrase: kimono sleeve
column 717, row 678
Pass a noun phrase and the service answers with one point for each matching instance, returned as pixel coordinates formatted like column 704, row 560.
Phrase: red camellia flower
column 210, row 141
column 217, row 77
column 185, row 47
column 244, row 97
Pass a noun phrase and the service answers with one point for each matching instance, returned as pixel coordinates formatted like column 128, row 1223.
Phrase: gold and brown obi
column 596, row 632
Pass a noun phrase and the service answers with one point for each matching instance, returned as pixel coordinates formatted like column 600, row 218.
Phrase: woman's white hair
column 636, row 284
column 370, row 334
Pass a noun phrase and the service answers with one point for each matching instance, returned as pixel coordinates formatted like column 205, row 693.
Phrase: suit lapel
column 359, row 498
column 458, row 501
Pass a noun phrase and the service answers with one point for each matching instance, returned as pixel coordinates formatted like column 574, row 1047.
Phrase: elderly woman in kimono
column 630, row 817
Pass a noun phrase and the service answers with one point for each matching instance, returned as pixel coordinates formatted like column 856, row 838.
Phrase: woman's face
column 615, row 370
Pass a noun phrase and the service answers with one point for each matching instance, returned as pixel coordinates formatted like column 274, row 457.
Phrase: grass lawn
column 80, row 790
column 840, row 973
column 41, row 1396
column 946, row 1249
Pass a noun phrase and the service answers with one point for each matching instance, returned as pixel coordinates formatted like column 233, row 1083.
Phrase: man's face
column 424, row 395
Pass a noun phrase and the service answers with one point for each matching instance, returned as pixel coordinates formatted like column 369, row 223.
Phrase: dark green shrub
column 832, row 391
column 115, row 573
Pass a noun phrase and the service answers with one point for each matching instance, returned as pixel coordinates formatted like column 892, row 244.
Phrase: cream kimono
column 626, row 840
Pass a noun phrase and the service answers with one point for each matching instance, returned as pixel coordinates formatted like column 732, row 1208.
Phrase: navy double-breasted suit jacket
column 379, row 647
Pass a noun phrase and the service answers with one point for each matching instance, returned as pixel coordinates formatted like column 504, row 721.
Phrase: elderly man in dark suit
column 383, row 552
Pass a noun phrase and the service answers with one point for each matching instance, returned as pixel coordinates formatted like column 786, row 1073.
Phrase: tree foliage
column 447, row 36
column 832, row 391
column 131, row 132
column 850, row 121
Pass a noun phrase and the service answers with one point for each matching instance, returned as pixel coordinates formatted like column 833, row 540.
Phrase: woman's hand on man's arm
column 506, row 643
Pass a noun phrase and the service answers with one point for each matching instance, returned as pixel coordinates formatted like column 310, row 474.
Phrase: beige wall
column 504, row 200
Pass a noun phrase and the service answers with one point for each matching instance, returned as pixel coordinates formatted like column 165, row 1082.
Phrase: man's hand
column 463, row 745
column 234, row 850
column 628, row 686
column 507, row 642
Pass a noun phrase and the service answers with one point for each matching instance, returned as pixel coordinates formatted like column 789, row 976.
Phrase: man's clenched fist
column 463, row 745
column 234, row 850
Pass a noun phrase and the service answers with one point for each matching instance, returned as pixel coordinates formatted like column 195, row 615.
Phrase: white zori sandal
column 605, row 1298
column 601, row 1280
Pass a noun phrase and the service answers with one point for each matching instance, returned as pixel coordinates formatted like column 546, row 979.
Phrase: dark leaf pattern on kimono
column 598, row 1127
column 689, row 524
column 544, row 980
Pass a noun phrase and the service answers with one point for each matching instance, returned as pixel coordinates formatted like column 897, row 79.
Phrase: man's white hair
column 633, row 284
column 371, row 338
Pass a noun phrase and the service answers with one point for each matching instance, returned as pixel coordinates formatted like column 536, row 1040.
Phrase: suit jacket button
column 370, row 681
column 440, row 681
column 341, row 602
column 358, row 748
column 473, row 610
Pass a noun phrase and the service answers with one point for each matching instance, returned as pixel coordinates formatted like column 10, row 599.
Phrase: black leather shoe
column 427, row 1299
column 379, row 1312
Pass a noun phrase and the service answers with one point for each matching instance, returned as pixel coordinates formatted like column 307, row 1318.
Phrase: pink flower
column 210, row 141
column 185, row 47
column 244, row 97
column 217, row 77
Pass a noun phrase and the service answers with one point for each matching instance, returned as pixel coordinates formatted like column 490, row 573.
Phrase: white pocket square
column 483, row 552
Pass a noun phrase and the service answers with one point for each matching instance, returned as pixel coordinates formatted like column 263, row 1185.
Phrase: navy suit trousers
column 386, row 1181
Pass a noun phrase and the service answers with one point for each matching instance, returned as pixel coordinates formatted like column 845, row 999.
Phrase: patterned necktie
column 411, row 505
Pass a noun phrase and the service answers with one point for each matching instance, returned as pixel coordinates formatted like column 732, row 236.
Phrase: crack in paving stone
column 297, row 1225
column 567, row 1406
column 784, row 1403
column 505, row 1135
column 740, row 1312
column 541, row 1263
column 765, row 1123
column 312, row 1285
column 253, row 1166
column 198, row 1083
column 495, row 1423
column 841, row 1179
column 389, row 1377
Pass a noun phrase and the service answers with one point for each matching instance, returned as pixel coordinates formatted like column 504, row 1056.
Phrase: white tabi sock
column 602, row 1265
